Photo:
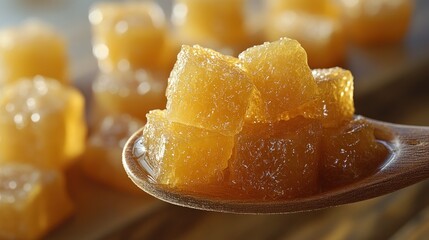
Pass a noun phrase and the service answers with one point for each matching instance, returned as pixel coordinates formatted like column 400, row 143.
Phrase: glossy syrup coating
column 24, row 53
column 379, row 22
column 277, row 160
column 281, row 75
column 32, row 201
column 102, row 157
column 41, row 122
column 350, row 152
column 180, row 155
column 129, row 92
column 208, row 90
column 218, row 24
column 127, row 35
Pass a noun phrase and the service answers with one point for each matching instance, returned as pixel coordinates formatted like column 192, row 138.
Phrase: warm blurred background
column 391, row 84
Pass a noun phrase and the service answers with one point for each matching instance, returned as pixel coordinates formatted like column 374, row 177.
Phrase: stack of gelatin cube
column 262, row 125
column 132, row 45
column 42, row 130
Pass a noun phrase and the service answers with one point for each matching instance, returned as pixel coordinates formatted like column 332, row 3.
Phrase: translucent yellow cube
column 379, row 22
column 41, row 122
column 350, row 152
column 319, row 7
column 208, row 90
column 32, row 201
column 127, row 35
column 322, row 37
column 218, row 24
column 280, row 72
column 168, row 55
column 277, row 160
column 32, row 49
column 336, row 94
column 102, row 159
column 179, row 155
column 130, row 92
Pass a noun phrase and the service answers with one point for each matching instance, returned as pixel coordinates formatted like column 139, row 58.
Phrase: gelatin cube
column 277, row 160
column 281, row 74
column 218, row 24
column 32, row 201
column 181, row 155
column 322, row 37
column 23, row 53
column 336, row 95
column 208, row 90
column 168, row 55
column 103, row 154
column 320, row 7
column 350, row 152
column 375, row 23
column 41, row 122
column 127, row 35
column 129, row 92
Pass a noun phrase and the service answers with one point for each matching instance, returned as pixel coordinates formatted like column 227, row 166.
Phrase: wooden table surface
column 391, row 83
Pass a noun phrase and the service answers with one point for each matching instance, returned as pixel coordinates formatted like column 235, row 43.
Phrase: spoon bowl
column 407, row 164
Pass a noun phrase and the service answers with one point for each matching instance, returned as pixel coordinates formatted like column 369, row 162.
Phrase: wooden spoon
column 408, row 163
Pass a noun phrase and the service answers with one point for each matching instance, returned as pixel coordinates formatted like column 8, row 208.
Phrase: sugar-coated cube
column 103, row 154
column 277, row 160
column 130, row 92
column 336, row 94
column 319, row 7
column 181, row 155
column 127, row 35
column 281, row 74
column 378, row 22
column 168, row 55
column 32, row 49
column 41, row 122
column 218, row 24
column 208, row 90
column 350, row 152
column 32, row 201
column 322, row 37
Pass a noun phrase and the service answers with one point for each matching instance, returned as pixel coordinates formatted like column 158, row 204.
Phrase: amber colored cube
column 336, row 94
column 350, row 152
column 41, row 122
column 102, row 159
column 281, row 74
column 277, row 160
column 376, row 22
column 168, row 54
column 32, row 201
column 208, row 90
column 319, row 7
column 131, row 92
column 218, row 24
column 322, row 37
column 179, row 155
column 127, row 35
column 32, row 49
